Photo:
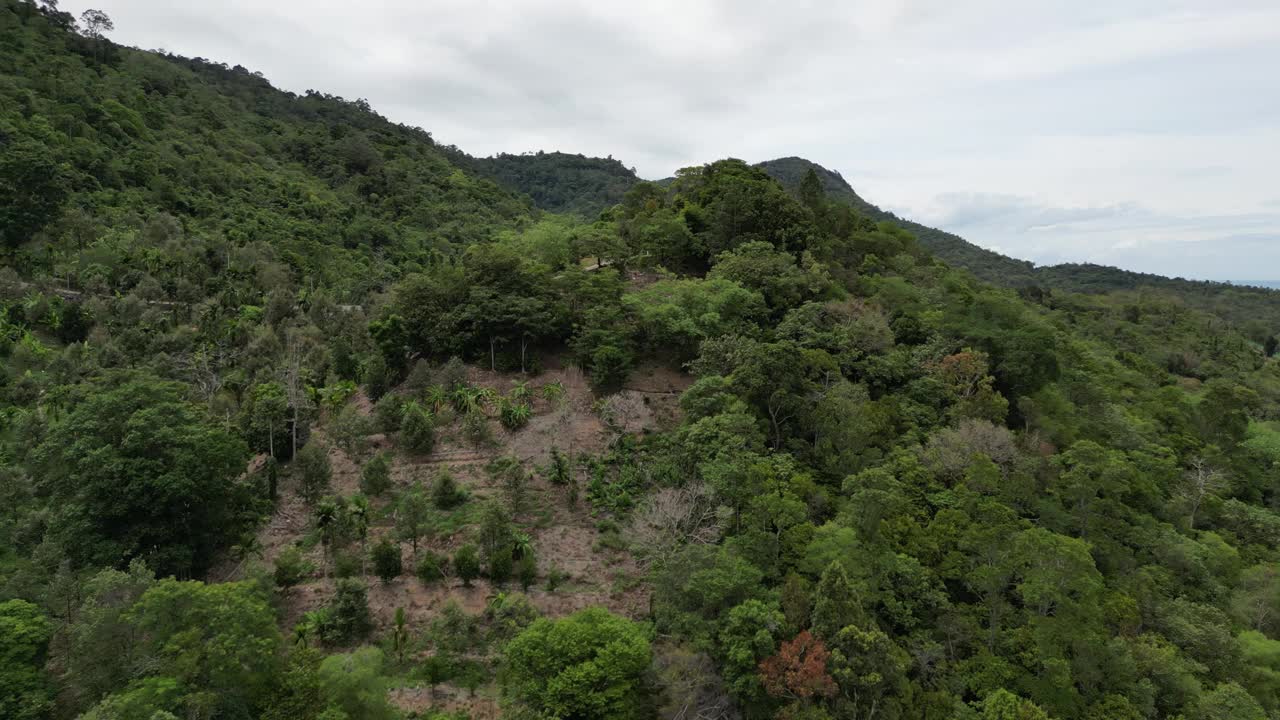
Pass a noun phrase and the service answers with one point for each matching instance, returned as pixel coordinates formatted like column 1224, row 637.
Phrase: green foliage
column 26, row 693
column 466, row 563
column 589, row 664
column 314, row 471
column 355, row 685
column 432, row 567
column 291, row 568
column 445, row 493
column 375, row 476
column 387, row 563
column 417, row 429
column 346, row 619
column 133, row 470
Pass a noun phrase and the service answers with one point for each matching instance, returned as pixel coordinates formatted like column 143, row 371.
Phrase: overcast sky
column 1138, row 133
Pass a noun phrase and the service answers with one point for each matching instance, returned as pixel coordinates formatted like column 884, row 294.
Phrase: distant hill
column 953, row 249
column 1256, row 309
column 556, row 181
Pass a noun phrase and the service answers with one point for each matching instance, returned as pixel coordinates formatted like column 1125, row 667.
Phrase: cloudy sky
column 1138, row 133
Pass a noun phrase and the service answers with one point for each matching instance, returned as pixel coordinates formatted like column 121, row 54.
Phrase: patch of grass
column 451, row 522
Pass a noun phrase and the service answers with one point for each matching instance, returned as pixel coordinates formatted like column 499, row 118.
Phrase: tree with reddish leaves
column 799, row 670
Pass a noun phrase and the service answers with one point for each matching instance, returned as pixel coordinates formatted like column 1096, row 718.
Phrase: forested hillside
column 555, row 181
column 305, row 418
column 1255, row 310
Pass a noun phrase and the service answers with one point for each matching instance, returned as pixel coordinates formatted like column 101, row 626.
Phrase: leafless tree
column 671, row 518
column 1199, row 482
column 950, row 451
column 691, row 688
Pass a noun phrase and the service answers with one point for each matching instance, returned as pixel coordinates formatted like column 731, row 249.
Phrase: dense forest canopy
column 305, row 416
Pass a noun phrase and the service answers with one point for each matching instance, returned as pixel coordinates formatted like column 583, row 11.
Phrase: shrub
column 347, row 618
column 291, row 568
column 387, row 413
column 558, row 470
column 527, row 571
column 387, row 562
column 555, row 578
column 514, row 414
column 375, row 477
column 346, row 565
column 432, row 567
column 498, row 565
column 314, row 471
column 466, row 563
column 475, row 427
column 445, row 493
column 417, row 429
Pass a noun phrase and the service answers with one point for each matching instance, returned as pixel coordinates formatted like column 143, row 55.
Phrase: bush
column 346, row 565
column 350, row 431
column 314, row 471
column 387, row 413
column 527, row 571
column 347, row 618
column 610, row 366
column 417, row 429
column 452, row 374
column 498, row 565
column 514, row 414
column 387, row 562
column 432, row 567
column 466, row 563
column 375, row 477
column 291, row 568
column 445, row 493
column 475, row 427
column 558, row 470
column 555, row 578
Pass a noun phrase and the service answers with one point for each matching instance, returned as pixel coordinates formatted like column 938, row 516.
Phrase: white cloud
column 1164, row 105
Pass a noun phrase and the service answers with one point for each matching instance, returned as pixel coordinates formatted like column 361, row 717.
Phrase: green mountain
column 555, row 181
column 148, row 148
column 986, row 264
column 1257, row 310
column 305, row 416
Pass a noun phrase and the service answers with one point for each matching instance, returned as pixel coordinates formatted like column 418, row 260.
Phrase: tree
column 291, row 568
column 836, row 603
column 1229, row 701
column 314, row 471
column 513, row 480
column 750, row 634
column 355, row 685
column 268, row 424
column 868, row 668
column 375, row 476
column 1004, row 705
column 347, row 615
column 413, row 516
column 431, row 567
column 799, row 670
column 588, row 665
column 445, row 493
column 96, row 24
column 417, row 429
column 33, row 187
column 25, row 692
column 387, row 560
column 221, row 639
column 1200, row 482
column 134, row 470
column 466, row 562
